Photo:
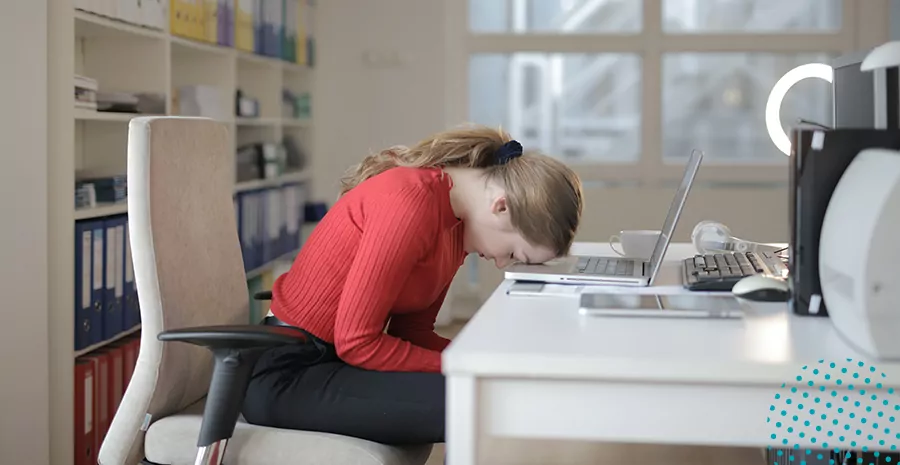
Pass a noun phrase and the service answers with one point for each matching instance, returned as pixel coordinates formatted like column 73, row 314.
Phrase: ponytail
column 469, row 147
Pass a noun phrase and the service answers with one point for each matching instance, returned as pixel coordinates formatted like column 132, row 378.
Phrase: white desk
column 532, row 367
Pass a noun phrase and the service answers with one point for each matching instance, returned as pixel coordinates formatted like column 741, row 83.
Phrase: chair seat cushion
column 173, row 441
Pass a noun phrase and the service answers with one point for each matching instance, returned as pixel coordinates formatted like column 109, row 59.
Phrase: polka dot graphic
column 833, row 406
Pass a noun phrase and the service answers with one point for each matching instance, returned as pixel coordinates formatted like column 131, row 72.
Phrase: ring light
column 780, row 89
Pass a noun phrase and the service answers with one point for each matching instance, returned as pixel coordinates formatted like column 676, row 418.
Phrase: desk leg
column 462, row 420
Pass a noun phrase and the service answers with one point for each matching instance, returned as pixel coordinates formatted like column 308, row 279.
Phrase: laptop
column 614, row 270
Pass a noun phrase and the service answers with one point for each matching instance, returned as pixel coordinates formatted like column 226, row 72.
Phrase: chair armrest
column 235, row 336
column 236, row 348
column 263, row 295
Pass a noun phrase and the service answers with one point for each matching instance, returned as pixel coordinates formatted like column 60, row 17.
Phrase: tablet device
column 661, row 306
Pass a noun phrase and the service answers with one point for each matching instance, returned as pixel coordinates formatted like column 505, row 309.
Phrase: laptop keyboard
column 605, row 266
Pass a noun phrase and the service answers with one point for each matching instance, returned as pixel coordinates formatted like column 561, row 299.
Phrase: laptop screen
column 668, row 228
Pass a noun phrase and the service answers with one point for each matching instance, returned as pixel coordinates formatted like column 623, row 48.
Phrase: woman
column 368, row 283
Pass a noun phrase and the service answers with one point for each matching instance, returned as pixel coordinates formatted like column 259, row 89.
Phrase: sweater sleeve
column 418, row 327
column 398, row 230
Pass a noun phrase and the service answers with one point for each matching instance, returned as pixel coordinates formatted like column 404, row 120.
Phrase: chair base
column 211, row 454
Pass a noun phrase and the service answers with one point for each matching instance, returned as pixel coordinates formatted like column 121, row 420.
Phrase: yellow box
column 186, row 18
column 178, row 18
column 243, row 25
column 302, row 7
column 211, row 21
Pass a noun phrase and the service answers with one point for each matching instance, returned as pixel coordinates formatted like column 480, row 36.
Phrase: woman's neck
column 468, row 189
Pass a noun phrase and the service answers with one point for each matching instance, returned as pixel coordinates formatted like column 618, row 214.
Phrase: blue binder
column 268, row 226
column 258, row 27
column 83, row 304
column 284, row 239
column 97, row 255
column 261, row 235
column 246, row 233
column 112, row 278
column 131, row 309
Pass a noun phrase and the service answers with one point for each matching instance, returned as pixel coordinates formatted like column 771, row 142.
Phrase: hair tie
column 508, row 151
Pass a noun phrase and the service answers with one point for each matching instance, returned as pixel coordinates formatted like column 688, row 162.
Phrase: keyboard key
column 582, row 264
column 729, row 259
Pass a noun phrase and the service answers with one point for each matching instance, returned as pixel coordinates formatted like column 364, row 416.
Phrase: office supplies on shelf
column 721, row 271
column 85, row 453
column 113, row 250
column 859, row 252
column 131, row 307
column 295, row 157
column 86, row 325
column 85, row 92
column 818, row 160
column 269, row 222
column 100, row 381
column 245, row 106
column 110, row 189
column 244, row 37
column 762, row 288
column 85, row 196
column 659, row 305
column 612, row 270
column 315, row 211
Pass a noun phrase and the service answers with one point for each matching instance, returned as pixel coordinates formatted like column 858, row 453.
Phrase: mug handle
column 612, row 240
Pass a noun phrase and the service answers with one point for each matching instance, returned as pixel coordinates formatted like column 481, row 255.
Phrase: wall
column 895, row 20
column 380, row 80
column 24, row 422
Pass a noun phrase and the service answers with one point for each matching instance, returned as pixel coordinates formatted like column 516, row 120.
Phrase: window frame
column 864, row 23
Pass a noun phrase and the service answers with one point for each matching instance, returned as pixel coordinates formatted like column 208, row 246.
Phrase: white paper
column 111, row 258
column 98, row 259
column 129, row 265
column 120, row 262
column 86, row 269
column 88, row 403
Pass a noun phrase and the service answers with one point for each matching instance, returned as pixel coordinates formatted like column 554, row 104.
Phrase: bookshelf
column 124, row 56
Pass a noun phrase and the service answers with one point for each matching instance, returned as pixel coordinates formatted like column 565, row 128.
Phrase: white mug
column 635, row 243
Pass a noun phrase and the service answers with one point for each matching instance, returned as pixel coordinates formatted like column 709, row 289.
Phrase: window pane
column 555, row 16
column 743, row 16
column 717, row 101
column 581, row 108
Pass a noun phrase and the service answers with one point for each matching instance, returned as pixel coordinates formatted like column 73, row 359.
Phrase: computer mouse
column 761, row 288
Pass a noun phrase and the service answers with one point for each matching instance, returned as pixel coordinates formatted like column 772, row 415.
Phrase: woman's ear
column 499, row 206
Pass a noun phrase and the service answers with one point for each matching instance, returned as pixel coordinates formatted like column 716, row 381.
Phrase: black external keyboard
column 720, row 271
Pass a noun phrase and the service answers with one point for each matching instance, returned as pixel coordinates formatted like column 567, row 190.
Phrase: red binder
column 84, row 414
column 102, row 416
column 129, row 357
column 116, row 381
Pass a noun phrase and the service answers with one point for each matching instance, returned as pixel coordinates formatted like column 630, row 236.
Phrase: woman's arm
column 418, row 327
column 399, row 229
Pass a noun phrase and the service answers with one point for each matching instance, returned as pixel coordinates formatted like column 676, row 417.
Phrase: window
column 586, row 107
column 631, row 86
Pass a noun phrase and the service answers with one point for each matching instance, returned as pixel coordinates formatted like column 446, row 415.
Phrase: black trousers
column 307, row 387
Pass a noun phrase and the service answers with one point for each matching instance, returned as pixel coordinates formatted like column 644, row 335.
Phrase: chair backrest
column 188, row 267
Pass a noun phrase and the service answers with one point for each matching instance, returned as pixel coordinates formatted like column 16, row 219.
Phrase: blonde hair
column 543, row 194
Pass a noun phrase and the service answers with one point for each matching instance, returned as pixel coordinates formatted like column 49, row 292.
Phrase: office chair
column 183, row 403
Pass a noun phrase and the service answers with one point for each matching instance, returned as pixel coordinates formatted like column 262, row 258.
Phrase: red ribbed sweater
column 387, row 250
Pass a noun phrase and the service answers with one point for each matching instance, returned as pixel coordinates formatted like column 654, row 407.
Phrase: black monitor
column 864, row 99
